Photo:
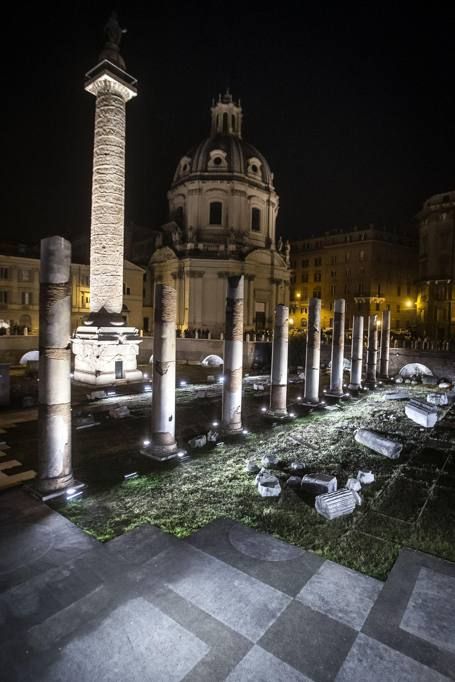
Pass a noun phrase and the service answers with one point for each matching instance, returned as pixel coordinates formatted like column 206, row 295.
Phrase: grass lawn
column 411, row 503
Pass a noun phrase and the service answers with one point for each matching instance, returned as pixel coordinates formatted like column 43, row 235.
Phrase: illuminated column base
column 106, row 355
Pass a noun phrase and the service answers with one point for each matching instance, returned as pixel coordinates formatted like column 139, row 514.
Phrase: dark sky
column 353, row 108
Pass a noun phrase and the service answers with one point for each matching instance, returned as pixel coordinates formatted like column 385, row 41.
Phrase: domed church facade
column 223, row 209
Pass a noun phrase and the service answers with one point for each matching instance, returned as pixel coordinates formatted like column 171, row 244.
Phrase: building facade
column 436, row 291
column 19, row 293
column 223, row 208
column 372, row 269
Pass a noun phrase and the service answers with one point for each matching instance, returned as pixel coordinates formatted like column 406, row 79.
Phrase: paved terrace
column 227, row 603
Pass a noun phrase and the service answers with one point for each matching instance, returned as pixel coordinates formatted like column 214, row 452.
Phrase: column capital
column 105, row 77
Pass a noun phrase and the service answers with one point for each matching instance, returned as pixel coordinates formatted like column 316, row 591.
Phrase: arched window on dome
column 255, row 219
column 233, row 123
column 225, row 124
column 216, row 213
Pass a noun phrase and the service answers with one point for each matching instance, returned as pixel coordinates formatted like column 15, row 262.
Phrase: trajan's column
column 105, row 348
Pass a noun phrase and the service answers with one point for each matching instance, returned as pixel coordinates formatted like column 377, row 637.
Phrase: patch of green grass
column 214, row 485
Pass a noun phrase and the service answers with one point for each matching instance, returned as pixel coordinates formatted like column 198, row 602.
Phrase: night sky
column 353, row 108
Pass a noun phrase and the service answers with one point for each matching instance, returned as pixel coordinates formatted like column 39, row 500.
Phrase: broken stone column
column 421, row 413
column 54, row 421
column 163, row 445
column 372, row 351
column 356, row 352
column 333, row 505
column 385, row 345
column 337, row 365
column 376, row 442
column 233, row 357
column 279, row 374
column 313, row 352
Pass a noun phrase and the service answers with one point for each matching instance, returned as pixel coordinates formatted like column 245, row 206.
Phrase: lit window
column 26, row 297
column 3, row 273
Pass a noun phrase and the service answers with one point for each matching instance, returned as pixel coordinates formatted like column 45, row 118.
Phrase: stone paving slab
column 370, row 660
column 430, row 613
column 227, row 647
column 407, row 608
column 241, row 602
column 136, row 642
column 341, row 593
column 222, row 605
column 37, row 540
column 309, row 641
column 274, row 562
column 258, row 664
column 141, row 544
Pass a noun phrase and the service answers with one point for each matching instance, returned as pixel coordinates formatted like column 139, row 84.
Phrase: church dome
column 224, row 152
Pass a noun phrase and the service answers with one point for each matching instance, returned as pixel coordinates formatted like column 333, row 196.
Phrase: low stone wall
column 255, row 354
column 12, row 348
column 193, row 351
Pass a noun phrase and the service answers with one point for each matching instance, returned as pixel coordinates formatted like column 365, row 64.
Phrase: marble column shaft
column 313, row 352
column 372, row 351
column 54, row 421
column 385, row 344
column 336, row 372
column 108, row 194
column 233, row 357
column 279, row 374
column 164, row 359
column 356, row 352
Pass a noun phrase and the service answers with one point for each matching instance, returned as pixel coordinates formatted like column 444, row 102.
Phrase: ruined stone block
column 378, row 443
column 336, row 504
column 319, row 483
column 421, row 413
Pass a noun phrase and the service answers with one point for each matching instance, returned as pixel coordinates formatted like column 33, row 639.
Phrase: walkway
column 226, row 604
